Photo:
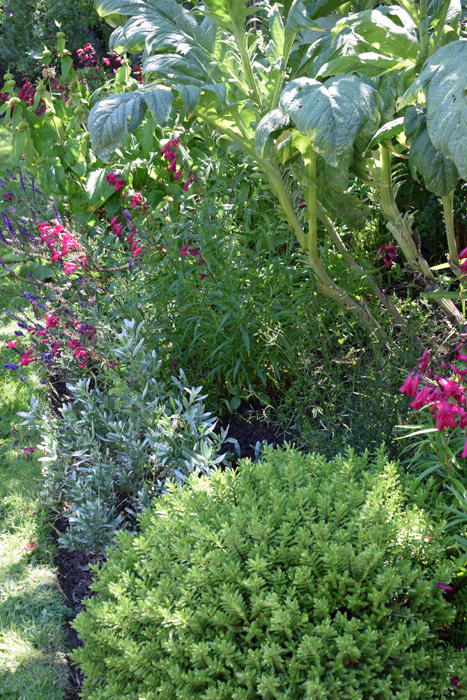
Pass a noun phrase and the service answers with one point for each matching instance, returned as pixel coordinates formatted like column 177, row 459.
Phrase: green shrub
column 292, row 578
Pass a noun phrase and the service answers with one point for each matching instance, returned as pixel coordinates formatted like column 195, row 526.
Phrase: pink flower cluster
column 136, row 246
column 80, row 352
column 194, row 252
column 389, row 253
column 115, row 181
column 27, row 92
column 444, row 395
column 463, row 256
column 60, row 242
column 170, row 154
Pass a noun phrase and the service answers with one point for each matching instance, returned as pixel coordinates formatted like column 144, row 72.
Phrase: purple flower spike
column 9, row 366
column 21, row 378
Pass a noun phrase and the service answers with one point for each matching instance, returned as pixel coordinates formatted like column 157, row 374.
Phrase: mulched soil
column 247, row 427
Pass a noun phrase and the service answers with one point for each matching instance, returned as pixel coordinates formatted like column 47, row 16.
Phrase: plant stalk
column 352, row 263
column 448, row 213
column 400, row 227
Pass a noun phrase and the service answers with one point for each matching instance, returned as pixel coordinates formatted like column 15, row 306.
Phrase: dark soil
column 248, row 428
column 75, row 579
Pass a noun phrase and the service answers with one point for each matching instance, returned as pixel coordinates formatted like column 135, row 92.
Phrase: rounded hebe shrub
column 291, row 578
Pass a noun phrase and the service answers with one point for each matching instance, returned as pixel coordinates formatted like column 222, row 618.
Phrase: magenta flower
column 69, row 268
column 184, row 250
column 455, row 682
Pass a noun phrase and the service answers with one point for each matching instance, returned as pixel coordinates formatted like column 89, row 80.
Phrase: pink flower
column 455, row 682
column 11, row 344
column 184, row 250
column 302, row 205
column 177, row 174
column 422, row 398
column 136, row 200
column 172, row 165
column 111, row 177
column 463, row 254
column 25, row 360
column 445, row 416
column 114, row 221
column 202, row 277
column 186, row 186
column 137, row 251
column 464, row 451
column 69, row 268
column 444, row 587
column 118, row 184
column 51, row 321
column 410, row 385
column 461, row 357
column 194, row 252
column 106, row 61
column 117, row 229
column 423, row 360
column 56, row 255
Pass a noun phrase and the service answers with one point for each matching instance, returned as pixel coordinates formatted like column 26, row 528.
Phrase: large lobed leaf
column 331, row 114
column 444, row 78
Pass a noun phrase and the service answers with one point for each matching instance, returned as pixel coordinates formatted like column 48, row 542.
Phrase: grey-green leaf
column 113, row 117
column 159, row 101
column 271, row 123
column 331, row 114
column 439, row 174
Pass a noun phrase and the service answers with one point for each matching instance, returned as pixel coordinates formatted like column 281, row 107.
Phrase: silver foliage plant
column 114, row 448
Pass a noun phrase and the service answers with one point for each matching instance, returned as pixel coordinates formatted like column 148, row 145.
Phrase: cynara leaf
column 332, row 186
column 228, row 14
column 113, row 117
column 445, row 79
column 391, row 29
column 332, row 114
column 439, row 174
column 272, row 123
column 159, row 100
column 387, row 131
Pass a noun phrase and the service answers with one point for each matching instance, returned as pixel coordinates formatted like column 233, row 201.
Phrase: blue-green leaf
column 439, row 174
column 444, row 78
column 271, row 123
column 159, row 100
column 113, row 117
column 331, row 114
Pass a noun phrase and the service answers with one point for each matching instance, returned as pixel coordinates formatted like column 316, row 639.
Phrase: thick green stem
column 448, row 212
column 311, row 204
column 440, row 26
column 400, row 227
column 248, row 70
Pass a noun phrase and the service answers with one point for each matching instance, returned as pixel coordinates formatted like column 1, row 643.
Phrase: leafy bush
column 294, row 577
column 115, row 446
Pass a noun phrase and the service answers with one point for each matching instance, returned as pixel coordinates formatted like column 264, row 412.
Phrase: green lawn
column 32, row 612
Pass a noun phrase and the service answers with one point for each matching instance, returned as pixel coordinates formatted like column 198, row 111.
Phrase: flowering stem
column 369, row 279
column 402, row 230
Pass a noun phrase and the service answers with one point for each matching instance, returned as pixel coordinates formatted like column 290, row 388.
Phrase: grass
column 32, row 610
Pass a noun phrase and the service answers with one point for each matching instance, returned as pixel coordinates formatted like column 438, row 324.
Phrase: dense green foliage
column 294, row 577
column 26, row 26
